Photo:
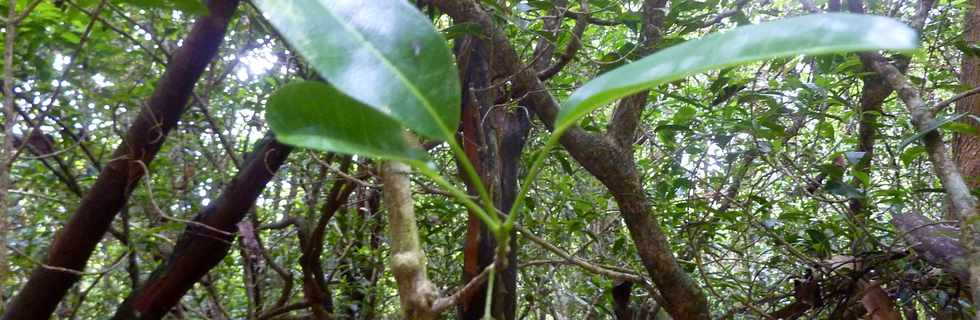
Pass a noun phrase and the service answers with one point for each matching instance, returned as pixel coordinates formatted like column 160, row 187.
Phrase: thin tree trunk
column 201, row 246
column 74, row 243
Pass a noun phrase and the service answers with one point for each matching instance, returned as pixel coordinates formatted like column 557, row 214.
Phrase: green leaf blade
column 315, row 115
column 813, row 34
column 383, row 53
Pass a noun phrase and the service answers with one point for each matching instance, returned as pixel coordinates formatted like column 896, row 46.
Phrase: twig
column 115, row 264
column 939, row 106
column 717, row 19
column 149, row 192
column 443, row 303
column 580, row 262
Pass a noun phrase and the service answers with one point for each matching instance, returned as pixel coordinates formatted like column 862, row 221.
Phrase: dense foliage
column 681, row 159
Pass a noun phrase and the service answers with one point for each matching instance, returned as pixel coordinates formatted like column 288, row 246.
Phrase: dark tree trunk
column 73, row 244
column 493, row 138
column 603, row 157
column 200, row 248
column 621, row 294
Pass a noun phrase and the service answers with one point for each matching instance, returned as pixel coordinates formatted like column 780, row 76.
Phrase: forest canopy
column 494, row 159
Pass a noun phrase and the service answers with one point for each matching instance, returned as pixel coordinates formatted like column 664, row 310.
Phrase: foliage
column 767, row 82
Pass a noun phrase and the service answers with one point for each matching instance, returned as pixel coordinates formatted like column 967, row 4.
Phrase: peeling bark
column 492, row 138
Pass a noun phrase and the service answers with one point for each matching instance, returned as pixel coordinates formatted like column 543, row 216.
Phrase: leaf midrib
column 404, row 80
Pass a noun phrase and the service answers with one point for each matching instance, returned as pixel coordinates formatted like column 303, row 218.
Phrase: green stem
column 528, row 179
column 473, row 176
column 493, row 224
column 487, row 314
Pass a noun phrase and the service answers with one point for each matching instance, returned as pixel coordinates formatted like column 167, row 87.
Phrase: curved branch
column 571, row 49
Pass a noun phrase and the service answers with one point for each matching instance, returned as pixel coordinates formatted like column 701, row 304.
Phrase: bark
column 201, row 246
column 544, row 50
column 492, row 138
column 966, row 147
column 964, row 204
column 73, row 244
column 574, row 44
column 408, row 263
column 621, row 294
column 604, row 158
column 936, row 243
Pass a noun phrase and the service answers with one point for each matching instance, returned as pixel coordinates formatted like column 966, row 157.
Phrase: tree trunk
column 74, row 243
column 492, row 138
column 966, row 147
column 605, row 159
column 201, row 246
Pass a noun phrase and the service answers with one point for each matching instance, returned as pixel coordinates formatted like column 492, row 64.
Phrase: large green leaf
column 384, row 53
column 315, row 115
column 813, row 34
column 195, row 7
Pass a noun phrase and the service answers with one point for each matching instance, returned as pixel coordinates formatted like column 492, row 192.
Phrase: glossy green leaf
column 813, row 34
column 384, row 53
column 315, row 115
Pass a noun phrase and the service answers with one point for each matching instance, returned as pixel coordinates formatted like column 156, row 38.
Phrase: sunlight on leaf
column 384, row 53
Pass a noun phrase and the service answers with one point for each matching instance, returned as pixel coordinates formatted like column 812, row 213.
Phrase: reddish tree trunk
column 966, row 148
column 201, row 248
column 73, row 244
column 493, row 139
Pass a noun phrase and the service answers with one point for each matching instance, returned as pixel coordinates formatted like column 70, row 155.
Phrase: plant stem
column 489, row 220
column 408, row 261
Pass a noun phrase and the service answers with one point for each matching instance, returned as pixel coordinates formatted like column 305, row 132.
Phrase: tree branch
column 963, row 203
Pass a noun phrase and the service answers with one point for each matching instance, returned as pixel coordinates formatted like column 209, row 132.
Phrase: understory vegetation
column 490, row 159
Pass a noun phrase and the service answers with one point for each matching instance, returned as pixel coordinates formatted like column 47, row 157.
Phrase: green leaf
column 963, row 128
column 384, row 53
column 933, row 126
column 315, row 115
column 825, row 129
column 194, row 7
column 842, row 189
column 462, row 29
column 911, row 154
column 684, row 115
column 813, row 34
